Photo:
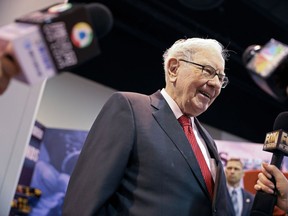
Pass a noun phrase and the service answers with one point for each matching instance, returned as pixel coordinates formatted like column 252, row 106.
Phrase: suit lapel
column 246, row 202
column 244, row 208
column 167, row 121
column 209, row 142
column 220, row 176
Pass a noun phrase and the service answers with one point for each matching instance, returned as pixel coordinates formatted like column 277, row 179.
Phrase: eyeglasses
column 210, row 72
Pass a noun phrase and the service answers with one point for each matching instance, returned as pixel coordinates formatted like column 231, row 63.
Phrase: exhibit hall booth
column 64, row 102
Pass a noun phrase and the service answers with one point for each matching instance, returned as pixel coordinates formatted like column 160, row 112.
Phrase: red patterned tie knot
column 184, row 120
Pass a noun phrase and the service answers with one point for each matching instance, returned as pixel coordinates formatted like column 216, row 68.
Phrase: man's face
column 193, row 92
column 234, row 172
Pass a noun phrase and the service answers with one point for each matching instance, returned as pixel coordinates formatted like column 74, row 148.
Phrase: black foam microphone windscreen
column 281, row 121
column 102, row 18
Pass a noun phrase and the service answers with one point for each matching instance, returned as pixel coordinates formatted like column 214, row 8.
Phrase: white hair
column 187, row 47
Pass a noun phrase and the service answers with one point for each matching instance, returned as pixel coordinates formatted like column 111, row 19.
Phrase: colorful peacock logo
column 82, row 35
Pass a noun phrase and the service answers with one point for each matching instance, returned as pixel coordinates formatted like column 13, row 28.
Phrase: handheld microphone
column 268, row 66
column 55, row 39
column 277, row 143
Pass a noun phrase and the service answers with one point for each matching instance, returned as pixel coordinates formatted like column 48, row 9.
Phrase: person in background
column 241, row 199
column 149, row 154
column 265, row 184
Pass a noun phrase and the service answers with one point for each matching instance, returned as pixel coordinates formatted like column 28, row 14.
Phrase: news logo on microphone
column 276, row 140
column 55, row 39
column 268, row 65
column 58, row 25
column 82, row 35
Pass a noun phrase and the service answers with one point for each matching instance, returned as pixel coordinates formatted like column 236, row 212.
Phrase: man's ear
column 173, row 65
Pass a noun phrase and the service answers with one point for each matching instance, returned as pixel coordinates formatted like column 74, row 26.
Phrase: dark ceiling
column 131, row 58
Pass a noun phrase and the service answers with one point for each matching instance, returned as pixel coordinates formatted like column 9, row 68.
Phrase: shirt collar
column 230, row 188
column 173, row 105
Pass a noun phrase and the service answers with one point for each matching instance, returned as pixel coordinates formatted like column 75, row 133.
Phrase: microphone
column 55, row 39
column 276, row 142
column 268, row 65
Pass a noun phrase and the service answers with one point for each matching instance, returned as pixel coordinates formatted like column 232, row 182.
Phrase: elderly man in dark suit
column 148, row 155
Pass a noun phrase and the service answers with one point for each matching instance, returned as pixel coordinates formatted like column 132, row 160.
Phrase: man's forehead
column 234, row 163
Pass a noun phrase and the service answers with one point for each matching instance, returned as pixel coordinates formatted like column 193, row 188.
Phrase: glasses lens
column 209, row 72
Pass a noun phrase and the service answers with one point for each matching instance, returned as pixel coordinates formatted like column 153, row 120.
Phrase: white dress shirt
column 178, row 113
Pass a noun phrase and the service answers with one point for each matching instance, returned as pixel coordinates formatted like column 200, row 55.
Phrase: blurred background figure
column 58, row 155
column 242, row 200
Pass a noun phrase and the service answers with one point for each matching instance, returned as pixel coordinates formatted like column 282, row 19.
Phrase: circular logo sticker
column 82, row 35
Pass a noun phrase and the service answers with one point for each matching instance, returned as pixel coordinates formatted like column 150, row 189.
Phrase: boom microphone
column 55, row 39
column 276, row 142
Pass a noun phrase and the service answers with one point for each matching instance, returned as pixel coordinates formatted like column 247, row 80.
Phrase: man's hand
column 8, row 69
column 264, row 183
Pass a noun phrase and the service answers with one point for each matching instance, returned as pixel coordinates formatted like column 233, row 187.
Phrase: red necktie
column 187, row 127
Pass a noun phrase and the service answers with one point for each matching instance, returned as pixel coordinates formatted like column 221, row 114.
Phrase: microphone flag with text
column 55, row 39
column 268, row 67
column 277, row 143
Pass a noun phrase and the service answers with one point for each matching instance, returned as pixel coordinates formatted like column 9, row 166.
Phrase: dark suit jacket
column 248, row 199
column 137, row 161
